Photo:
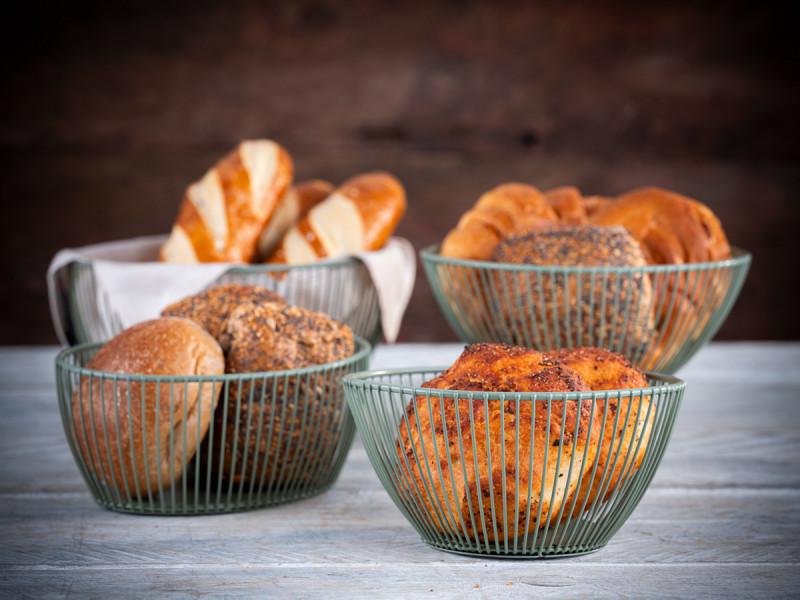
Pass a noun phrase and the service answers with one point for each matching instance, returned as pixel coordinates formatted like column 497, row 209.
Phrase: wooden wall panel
column 107, row 113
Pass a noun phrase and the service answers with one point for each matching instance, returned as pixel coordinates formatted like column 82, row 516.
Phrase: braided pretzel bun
column 507, row 209
column 671, row 228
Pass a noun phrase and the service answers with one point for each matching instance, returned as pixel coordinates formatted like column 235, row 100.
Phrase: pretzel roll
column 507, row 209
column 296, row 203
column 359, row 215
column 223, row 214
column 671, row 228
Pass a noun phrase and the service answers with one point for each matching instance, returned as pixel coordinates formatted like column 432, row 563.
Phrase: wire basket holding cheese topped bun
column 516, row 453
column 649, row 274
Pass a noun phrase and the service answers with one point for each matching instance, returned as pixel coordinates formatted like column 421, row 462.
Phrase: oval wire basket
column 339, row 287
column 273, row 437
column 466, row 490
column 658, row 316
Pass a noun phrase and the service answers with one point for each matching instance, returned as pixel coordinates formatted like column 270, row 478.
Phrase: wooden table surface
column 719, row 521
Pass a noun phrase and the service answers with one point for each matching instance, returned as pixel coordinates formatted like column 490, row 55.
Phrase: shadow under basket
column 533, row 481
column 190, row 445
column 341, row 288
column 658, row 316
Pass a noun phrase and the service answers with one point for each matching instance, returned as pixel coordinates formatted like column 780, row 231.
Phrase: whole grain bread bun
column 280, row 429
column 137, row 436
column 211, row 307
column 602, row 308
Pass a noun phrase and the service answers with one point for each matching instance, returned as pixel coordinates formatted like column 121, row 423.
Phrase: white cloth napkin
column 129, row 280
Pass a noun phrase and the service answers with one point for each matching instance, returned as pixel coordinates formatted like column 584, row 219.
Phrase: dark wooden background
column 108, row 111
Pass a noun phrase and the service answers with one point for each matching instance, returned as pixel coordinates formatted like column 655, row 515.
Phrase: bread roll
column 360, row 214
column 222, row 215
column 277, row 337
column 296, row 204
column 507, row 209
column 672, row 229
column 566, row 201
column 498, row 450
column 137, row 437
column 627, row 421
column 578, row 308
column 210, row 308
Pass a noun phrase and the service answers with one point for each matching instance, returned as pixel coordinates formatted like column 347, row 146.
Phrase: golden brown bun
column 211, row 307
column 566, row 201
column 623, row 446
column 361, row 214
column 608, row 308
column 507, row 209
column 222, row 215
column 671, row 228
column 140, row 451
column 276, row 337
column 514, row 430
column 295, row 205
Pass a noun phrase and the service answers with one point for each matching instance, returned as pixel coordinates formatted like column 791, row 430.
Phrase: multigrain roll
column 135, row 436
column 489, row 444
column 626, row 422
column 211, row 307
column 278, row 337
column 599, row 309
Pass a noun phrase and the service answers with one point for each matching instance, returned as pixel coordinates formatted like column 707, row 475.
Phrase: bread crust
column 137, row 437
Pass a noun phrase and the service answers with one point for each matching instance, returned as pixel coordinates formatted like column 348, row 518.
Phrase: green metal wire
column 386, row 406
column 658, row 316
column 293, row 427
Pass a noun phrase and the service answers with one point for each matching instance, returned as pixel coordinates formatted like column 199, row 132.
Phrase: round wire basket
column 658, row 316
column 525, row 484
column 143, row 446
column 339, row 287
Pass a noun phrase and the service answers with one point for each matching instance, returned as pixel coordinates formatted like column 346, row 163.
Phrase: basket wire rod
column 259, row 430
column 270, row 434
column 526, row 306
column 111, row 492
column 418, row 454
column 95, row 467
column 306, row 448
column 249, row 426
column 516, row 471
column 499, row 296
column 281, row 408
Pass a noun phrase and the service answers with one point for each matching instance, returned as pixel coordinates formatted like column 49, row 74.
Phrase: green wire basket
column 340, row 288
column 658, row 316
column 493, row 490
column 269, row 437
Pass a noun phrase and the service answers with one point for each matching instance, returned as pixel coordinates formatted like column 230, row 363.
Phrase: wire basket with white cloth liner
column 97, row 291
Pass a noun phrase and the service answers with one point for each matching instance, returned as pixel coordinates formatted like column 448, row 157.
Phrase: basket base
column 525, row 554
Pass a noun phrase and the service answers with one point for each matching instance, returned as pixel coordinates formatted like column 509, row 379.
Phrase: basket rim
column 739, row 258
column 333, row 261
column 364, row 379
column 362, row 350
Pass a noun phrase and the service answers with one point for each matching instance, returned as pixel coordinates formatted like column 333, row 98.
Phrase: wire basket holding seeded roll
column 594, row 273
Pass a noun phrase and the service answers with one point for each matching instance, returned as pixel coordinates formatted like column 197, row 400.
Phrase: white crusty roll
column 360, row 214
column 222, row 216
column 137, row 436
column 296, row 203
